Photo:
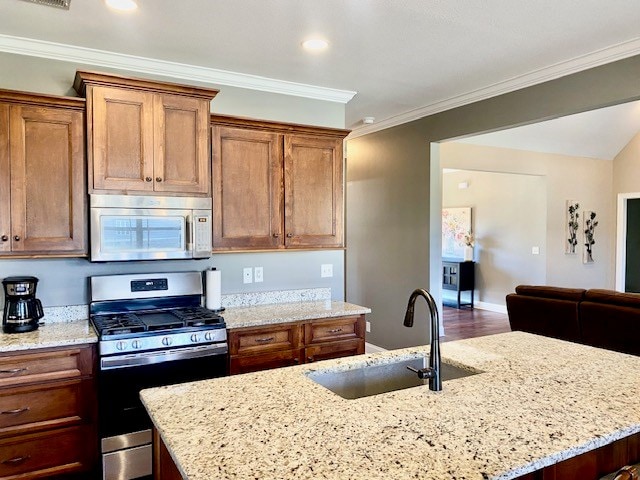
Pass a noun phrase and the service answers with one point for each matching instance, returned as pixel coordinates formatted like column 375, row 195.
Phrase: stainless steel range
column 152, row 331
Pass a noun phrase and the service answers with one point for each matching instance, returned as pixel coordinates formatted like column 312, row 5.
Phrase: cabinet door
column 247, row 189
column 346, row 348
column 264, row 361
column 5, row 182
column 313, row 191
column 48, row 196
column 122, row 139
column 181, row 144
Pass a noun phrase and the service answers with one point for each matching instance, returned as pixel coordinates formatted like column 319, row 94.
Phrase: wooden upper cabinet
column 145, row 136
column 313, row 191
column 182, row 146
column 122, row 130
column 276, row 185
column 247, row 189
column 42, row 175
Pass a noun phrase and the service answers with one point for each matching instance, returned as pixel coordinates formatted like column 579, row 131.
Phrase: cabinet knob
column 309, row 359
column 4, row 238
column 289, row 235
column 276, row 235
column 17, row 238
column 148, row 179
column 158, row 179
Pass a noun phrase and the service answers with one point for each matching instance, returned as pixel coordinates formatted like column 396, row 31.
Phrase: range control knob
column 136, row 344
column 166, row 341
column 195, row 338
column 121, row 345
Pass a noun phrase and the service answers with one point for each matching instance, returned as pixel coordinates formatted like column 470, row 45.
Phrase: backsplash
column 250, row 299
column 70, row 313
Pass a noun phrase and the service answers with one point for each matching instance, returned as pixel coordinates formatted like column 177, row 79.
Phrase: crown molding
column 102, row 58
column 561, row 69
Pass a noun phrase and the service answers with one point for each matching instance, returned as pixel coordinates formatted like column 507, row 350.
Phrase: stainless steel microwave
column 137, row 227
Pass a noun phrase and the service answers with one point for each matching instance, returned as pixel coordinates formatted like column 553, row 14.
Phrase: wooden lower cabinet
column 48, row 426
column 281, row 345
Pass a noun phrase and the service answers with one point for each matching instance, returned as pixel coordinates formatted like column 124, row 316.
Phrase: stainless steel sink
column 374, row 379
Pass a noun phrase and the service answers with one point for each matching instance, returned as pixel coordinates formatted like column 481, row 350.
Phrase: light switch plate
column 247, row 275
column 326, row 270
column 257, row 274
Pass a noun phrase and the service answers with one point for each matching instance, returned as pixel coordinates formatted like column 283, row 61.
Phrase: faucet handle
column 427, row 372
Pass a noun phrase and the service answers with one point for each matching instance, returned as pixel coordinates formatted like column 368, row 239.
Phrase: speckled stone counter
column 60, row 326
column 539, row 401
column 237, row 317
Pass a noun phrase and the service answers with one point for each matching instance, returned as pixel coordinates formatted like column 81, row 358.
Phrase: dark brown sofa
column 601, row 318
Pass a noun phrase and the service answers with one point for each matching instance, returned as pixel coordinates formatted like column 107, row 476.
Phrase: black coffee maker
column 22, row 309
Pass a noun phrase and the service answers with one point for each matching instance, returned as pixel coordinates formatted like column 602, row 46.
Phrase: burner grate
column 118, row 324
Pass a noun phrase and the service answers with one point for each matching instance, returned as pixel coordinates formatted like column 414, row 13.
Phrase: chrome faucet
column 433, row 371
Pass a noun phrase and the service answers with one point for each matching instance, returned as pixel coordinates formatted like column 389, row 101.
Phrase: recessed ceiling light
column 122, row 5
column 315, row 44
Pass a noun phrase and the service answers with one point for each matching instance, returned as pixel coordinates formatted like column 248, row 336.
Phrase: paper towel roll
column 213, row 290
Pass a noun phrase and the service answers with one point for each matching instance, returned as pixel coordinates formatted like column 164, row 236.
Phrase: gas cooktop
column 113, row 325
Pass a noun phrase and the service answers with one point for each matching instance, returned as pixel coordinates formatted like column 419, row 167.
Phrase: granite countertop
column 238, row 317
column 51, row 334
column 539, row 401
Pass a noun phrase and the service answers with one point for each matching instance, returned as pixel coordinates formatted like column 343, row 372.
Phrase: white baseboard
column 371, row 348
column 491, row 307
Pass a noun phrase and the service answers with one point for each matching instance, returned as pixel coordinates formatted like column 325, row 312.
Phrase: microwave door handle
column 189, row 232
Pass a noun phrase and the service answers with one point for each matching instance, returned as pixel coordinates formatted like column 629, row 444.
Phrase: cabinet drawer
column 343, row 328
column 264, row 361
column 45, row 365
column 264, row 339
column 334, row 350
column 38, row 407
column 55, row 452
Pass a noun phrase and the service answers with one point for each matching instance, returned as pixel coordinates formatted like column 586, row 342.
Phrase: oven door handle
column 158, row 356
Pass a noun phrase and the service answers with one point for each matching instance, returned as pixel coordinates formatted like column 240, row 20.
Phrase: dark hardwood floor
column 467, row 323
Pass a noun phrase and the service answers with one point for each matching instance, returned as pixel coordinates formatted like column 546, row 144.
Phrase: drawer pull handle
column 13, row 371
column 335, row 330
column 16, row 460
column 265, row 340
column 15, row 410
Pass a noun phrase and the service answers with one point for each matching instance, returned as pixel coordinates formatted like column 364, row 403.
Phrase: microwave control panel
column 202, row 235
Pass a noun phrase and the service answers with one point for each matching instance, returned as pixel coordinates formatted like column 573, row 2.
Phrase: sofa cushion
column 562, row 293
column 613, row 297
column 551, row 317
column 610, row 325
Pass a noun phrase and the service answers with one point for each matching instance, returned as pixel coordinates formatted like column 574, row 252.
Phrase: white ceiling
column 595, row 134
column 404, row 58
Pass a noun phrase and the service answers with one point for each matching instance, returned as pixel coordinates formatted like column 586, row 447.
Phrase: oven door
column 125, row 427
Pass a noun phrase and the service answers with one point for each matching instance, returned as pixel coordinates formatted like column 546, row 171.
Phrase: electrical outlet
column 247, row 275
column 257, row 274
column 326, row 270
column 368, row 327
column 535, row 250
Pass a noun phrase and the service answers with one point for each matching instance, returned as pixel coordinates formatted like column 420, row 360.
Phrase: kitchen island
column 539, row 401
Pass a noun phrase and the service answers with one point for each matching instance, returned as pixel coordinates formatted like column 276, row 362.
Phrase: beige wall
column 567, row 178
column 509, row 217
column 626, row 168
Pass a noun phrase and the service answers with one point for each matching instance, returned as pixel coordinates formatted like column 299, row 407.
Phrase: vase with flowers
column 468, row 241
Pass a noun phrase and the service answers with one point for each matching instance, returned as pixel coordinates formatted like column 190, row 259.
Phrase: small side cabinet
column 459, row 277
